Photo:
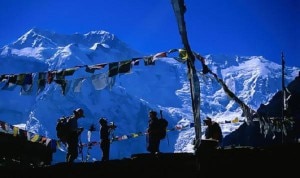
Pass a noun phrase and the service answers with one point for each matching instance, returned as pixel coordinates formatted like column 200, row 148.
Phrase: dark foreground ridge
column 271, row 161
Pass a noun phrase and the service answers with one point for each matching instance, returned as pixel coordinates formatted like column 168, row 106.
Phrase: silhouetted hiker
column 213, row 130
column 105, row 131
column 153, row 133
column 74, row 132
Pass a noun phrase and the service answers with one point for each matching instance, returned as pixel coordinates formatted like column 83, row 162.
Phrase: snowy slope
column 163, row 86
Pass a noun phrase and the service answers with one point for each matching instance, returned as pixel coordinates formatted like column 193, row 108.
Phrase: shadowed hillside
column 253, row 134
column 231, row 161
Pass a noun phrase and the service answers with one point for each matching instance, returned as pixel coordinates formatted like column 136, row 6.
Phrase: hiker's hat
column 207, row 119
column 153, row 112
column 79, row 112
column 102, row 120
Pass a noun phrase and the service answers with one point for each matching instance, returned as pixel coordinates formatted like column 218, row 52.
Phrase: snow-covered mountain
column 126, row 98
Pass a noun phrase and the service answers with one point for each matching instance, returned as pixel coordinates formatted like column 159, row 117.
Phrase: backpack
column 163, row 124
column 63, row 128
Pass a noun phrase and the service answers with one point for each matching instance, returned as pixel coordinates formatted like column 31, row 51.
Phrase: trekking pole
column 80, row 148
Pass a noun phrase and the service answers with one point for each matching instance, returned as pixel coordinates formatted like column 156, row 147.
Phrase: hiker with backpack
column 156, row 131
column 73, row 132
column 213, row 130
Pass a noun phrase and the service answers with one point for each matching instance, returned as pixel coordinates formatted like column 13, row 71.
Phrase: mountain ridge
column 163, row 86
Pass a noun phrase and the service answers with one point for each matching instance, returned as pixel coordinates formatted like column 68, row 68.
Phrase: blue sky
column 232, row 27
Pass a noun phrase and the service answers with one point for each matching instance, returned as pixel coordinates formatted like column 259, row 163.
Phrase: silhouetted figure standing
column 213, row 130
column 74, row 132
column 105, row 131
column 153, row 133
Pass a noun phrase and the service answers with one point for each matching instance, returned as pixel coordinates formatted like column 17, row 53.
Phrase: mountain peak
column 97, row 32
column 59, row 50
column 163, row 86
column 35, row 38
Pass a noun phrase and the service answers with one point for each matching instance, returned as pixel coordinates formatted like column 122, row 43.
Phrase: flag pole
column 284, row 106
column 179, row 10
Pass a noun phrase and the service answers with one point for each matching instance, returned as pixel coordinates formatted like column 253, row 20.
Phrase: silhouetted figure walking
column 153, row 133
